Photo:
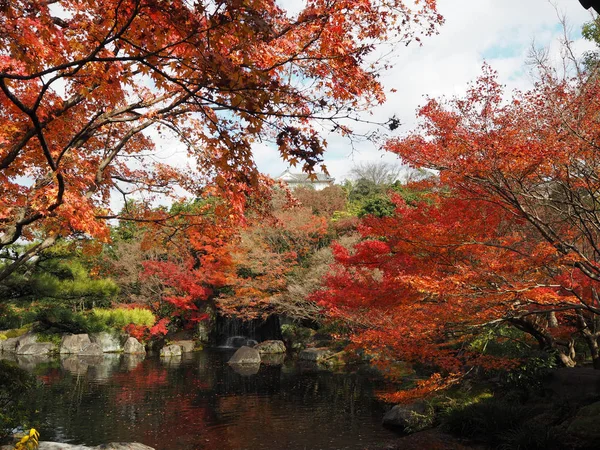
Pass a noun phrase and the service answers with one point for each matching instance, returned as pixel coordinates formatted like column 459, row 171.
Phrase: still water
column 198, row 402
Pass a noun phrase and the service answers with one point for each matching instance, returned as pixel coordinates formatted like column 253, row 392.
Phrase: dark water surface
column 199, row 402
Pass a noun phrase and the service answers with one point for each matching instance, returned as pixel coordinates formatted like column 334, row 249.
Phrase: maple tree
column 264, row 257
column 194, row 259
column 507, row 234
column 85, row 84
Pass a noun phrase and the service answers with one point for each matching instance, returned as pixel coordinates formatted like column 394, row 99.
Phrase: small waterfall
column 232, row 332
column 238, row 341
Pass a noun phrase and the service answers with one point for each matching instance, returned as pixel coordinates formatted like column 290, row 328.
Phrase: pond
column 198, row 402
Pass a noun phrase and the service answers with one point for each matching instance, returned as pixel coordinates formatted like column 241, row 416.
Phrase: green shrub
column 121, row 317
column 419, row 422
column 12, row 317
column 296, row 335
column 529, row 377
column 58, row 320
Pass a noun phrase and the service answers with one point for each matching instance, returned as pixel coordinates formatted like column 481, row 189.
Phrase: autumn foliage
column 506, row 234
column 85, row 86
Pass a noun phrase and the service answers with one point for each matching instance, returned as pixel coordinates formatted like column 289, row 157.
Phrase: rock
column 412, row 417
column 60, row 446
column 245, row 355
column 186, row 346
column 92, row 350
column 170, row 351
column 317, row 355
column 132, row 346
column 270, row 347
column 108, row 342
column 112, row 446
column 36, row 349
column 26, row 339
column 74, row 343
column 9, row 345
column 585, row 423
column 336, row 360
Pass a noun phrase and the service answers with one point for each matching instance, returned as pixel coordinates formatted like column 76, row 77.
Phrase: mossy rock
column 585, row 423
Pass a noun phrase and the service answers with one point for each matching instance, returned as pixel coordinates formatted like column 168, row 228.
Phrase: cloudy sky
column 499, row 32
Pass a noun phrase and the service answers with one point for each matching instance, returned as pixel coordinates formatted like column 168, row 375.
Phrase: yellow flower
column 29, row 441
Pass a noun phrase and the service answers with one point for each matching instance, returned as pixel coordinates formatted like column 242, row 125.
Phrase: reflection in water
column 198, row 402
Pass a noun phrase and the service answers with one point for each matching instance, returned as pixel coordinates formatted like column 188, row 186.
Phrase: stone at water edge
column 92, row 350
column 36, row 349
column 9, row 345
column 170, row 350
column 186, row 346
column 245, row 355
column 133, row 346
column 406, row 417
column 109, row 342
column 315, row 354
column 26, row 339
column 270, row 347
column 74, row 343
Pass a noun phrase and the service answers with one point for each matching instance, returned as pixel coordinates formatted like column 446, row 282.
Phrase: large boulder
column 108, row 342
column 318, row 355
column 170, row 351
column 74, row 343
column 133, row 346
column 409, row 418
column 245, row 356
column 270, row 347
column 36, row 349
column 26, row 339
column 9, row 345
column 186, row 346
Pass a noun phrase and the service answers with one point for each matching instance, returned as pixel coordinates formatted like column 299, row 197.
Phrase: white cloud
column 499, row 32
